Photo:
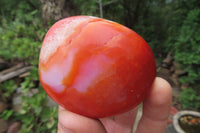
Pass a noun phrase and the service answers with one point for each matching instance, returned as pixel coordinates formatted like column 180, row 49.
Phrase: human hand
column 154, row 119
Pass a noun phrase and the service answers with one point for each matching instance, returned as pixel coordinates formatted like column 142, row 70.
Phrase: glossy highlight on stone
column 95, row 67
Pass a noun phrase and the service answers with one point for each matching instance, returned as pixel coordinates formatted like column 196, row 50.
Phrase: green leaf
column 6, row 114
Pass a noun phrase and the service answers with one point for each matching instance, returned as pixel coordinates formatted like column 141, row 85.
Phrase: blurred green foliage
column 190, row 98
column 184, row 38
column 167, row 26
column 8, row 88
column 21, row 31
column 21, row 34
column 187, row 47
column 6, row 114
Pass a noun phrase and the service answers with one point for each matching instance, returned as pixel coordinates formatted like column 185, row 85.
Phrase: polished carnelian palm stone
column 95, row 67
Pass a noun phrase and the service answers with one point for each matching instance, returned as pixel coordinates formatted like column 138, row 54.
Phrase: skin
column 154, row 119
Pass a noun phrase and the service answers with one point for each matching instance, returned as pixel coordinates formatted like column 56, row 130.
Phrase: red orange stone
column 95, row 67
